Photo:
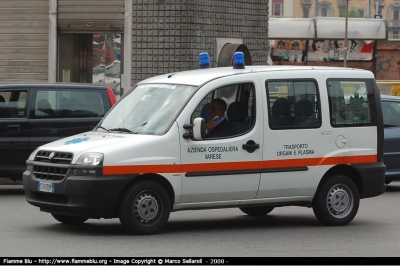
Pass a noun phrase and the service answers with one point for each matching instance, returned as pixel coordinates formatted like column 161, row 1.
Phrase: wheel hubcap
column 340, row 200
column 146, row 207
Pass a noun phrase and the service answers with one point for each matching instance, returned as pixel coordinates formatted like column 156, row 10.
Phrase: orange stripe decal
column 140, row 169
column 238, row 166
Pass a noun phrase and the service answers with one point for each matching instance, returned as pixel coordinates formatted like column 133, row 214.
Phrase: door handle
column 13, row 127
column 250, row 146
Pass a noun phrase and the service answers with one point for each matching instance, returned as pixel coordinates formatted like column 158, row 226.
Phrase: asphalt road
column 285, row 232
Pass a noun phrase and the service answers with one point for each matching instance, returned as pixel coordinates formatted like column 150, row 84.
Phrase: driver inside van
column 218, row 126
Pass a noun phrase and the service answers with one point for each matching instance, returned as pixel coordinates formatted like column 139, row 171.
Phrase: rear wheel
column 66, row 219
column 256, row 211
column 336, row 201
column 145, row 208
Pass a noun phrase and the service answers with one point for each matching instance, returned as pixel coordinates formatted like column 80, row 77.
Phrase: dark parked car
column 34, row 114
column 391, row 120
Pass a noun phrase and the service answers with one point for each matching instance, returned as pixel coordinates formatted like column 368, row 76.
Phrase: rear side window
column 351, row 103
column 68, row 104
column 12, row 103
column 293, row 104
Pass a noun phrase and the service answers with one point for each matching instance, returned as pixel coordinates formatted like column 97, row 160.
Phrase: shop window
column 396, row 14
column 342, row 12
column 278, row 10
column 306, row 12
column 324, row 12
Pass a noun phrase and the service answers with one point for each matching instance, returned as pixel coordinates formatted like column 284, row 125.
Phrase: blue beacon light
column 238, row 60
column 204, row 59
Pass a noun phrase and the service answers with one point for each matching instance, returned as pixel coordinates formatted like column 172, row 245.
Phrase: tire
column 256, row 211
column 66, row 219
column 336, row 201
column 145, row 208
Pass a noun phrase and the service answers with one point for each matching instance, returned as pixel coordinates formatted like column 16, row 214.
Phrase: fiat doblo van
column 247, row 137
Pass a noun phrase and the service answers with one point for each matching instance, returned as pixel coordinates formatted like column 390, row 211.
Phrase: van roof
column 200, row 76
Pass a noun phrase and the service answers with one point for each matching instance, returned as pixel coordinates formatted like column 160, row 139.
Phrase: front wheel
column 256, row 211
column 145, row 208
column 336, row 201
column 66, row 219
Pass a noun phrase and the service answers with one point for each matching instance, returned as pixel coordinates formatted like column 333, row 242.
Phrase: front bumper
column 91, row 197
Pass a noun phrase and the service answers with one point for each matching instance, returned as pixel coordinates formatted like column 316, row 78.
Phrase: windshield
column 148, row 109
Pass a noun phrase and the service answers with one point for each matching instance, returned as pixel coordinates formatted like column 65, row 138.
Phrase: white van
column 290, row 136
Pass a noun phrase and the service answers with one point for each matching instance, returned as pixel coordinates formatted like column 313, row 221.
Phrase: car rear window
column 68, row 104
column 391, row 113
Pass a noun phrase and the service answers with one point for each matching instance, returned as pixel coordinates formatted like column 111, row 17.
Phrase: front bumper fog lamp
column 88, row 172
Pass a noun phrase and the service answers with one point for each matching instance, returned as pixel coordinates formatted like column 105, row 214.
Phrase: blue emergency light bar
column 238, row 60
column 204, row 60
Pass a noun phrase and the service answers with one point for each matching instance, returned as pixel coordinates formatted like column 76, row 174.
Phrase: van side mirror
column 197, row 130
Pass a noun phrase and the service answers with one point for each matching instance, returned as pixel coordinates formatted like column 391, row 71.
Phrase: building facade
column 389, row 9
column 385, row 62
column 120, row 42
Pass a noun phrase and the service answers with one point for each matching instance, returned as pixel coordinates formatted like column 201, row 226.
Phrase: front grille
column 49, row 173
column 58, row 157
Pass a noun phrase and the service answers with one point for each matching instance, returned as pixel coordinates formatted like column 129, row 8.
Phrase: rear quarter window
column 70, row 104
column 351, row 103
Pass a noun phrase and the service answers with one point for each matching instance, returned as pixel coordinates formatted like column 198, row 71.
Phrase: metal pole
column 52, row 69
column 127, row 65
column 315, row 8
column 369, row 8
column 345, row 35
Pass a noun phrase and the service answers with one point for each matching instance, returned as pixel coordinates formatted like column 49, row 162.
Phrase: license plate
column 46, row 187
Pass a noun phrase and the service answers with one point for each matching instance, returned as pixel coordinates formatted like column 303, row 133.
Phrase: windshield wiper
column 145, row 123
column 103, row 128
column 121, row 129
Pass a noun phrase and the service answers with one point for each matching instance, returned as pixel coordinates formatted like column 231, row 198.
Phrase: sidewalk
column 8, row 181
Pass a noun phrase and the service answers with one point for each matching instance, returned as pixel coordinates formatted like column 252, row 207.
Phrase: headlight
column 91, row 159
column 89, row 164
column 33, row 154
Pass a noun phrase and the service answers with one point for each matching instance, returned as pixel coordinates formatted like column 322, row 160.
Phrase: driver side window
column 228, row 111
